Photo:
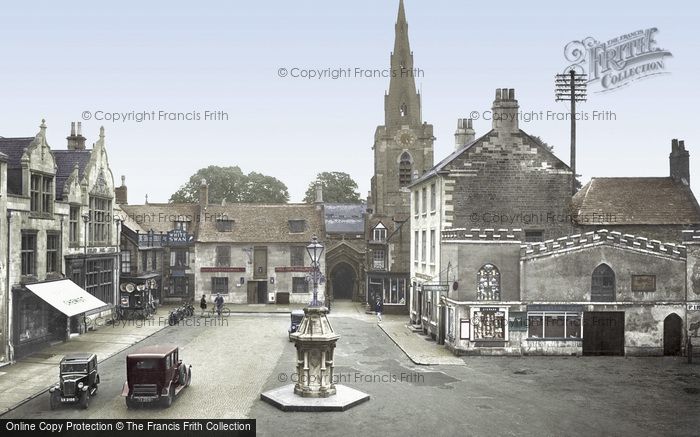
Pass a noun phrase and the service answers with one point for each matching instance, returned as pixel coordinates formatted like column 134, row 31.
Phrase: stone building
column 161, row 237
column 597, row 293
column 250, row 253
column 58, row 205
column 403, row 151
column 346, row 251
column 504, row 178
column 658, row 208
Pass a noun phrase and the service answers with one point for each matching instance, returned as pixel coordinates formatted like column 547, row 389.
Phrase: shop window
column 554, row 325
column 603, row 284
column 300, row 285
column 219, row 285
column 99, row 279
column 488, row 283
column 489, row 324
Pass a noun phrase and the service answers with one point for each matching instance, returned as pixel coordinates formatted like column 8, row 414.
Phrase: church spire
column 402, row 102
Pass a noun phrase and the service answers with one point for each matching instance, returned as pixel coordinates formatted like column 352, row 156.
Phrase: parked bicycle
column 222, row 312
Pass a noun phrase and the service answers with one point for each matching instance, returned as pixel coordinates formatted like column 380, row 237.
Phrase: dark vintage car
column 297, row 316
column 155, row 374
column 78, row 380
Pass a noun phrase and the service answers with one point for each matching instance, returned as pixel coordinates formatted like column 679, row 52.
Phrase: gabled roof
column 440, row 166
column 639, row 201
column 159, row 217
column 261, row 223
column 345, row 218
column 66, row 160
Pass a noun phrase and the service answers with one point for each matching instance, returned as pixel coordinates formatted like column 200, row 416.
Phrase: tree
column 232, row 184
column 338, row 187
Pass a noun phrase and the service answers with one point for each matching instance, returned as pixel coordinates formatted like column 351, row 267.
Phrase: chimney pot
column 72, row 128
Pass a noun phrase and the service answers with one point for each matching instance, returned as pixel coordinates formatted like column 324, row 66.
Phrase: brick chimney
column 679, row 161
column 120, row 193
column 505, row 111
column 76, row 140
column 203, row 194
column 465, row 133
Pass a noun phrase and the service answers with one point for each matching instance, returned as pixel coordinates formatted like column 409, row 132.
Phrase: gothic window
column 404, row 110
column 405, row 169
column 488, row 283
column 603, row 284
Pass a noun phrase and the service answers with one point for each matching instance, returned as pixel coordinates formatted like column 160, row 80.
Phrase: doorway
column 673, row 328
column 604, row 333
column 343, row 281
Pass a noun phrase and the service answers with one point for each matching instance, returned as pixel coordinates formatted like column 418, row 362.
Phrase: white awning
column 66, row 296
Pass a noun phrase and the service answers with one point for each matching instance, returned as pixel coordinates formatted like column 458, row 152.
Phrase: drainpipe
column 9, row 348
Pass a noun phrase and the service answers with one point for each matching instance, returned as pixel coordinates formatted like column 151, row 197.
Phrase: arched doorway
column 673, row 325
column 343, row 281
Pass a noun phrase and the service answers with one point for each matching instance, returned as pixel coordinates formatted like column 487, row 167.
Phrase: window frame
column 219, row 284
column 543, row 324
column 223, row 256
column 495, row 275
column 53, row 254
column 28, row 255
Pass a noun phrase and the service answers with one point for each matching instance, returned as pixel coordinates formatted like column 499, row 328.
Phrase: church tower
column 403, row 151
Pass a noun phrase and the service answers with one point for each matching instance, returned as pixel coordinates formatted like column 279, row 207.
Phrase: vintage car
column 78, row 380
column 155, row 374
column 296, row 317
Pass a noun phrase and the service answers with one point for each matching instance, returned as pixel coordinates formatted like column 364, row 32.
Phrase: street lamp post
column 315, row 250
column 86, row 220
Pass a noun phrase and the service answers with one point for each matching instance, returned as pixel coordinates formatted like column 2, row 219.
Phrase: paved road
column 540, row 396
column 230, row 363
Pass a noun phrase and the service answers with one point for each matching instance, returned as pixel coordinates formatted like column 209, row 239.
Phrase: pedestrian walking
column 379, row 309
column 203, row 304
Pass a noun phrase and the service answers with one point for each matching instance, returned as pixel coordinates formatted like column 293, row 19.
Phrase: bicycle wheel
column 225, row 312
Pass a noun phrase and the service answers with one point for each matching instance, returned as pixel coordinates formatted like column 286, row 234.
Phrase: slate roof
column 13, row 148
column 65, row 162
column 261, row 223
column 639, row 201
column 345, row 218
column 160, row 216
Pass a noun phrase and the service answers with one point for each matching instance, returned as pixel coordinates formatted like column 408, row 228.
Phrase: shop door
column 262, row 292
column 252, row 292
column 603, row 333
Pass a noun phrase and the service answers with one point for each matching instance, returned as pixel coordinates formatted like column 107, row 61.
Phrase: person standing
column 379, row 309
column 203, row 304
column 219, row 303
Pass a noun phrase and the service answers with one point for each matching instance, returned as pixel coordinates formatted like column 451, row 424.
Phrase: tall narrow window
column 53, row 256
column 433, row 198
column 126, row 261
column 41, row 193
column 416, row 202
column 100, row 220
column 432, row 246
column 379, row 261
column 416, row 255
column 424, row 200
column 488, row 283
column 379, row 233
column 405, row 169
column 297, row 255
column 603, row 284
column 404, row 110
column 423, row 246
column 73, row 224
column 28, row 253
column 223, row 256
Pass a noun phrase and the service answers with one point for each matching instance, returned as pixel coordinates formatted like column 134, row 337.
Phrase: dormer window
column 224, row 225
column 297, row 226
column 41, row 193
column 379, row 233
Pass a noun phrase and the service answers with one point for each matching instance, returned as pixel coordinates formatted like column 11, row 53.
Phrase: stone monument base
column 285, row 399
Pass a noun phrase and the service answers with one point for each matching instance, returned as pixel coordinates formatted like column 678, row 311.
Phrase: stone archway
column 343, row 281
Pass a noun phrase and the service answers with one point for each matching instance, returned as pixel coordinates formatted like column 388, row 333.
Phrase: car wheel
column 130, row 404
column 85, row 399
column 54, row 400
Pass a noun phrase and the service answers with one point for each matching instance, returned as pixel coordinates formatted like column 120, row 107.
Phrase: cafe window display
column 489, row 324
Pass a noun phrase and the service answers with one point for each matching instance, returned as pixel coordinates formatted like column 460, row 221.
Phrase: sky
column 84, row 60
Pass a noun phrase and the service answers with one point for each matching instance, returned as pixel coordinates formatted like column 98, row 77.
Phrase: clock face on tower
column 405, row 138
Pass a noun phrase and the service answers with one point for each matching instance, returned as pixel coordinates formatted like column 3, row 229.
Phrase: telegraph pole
column 571, row 87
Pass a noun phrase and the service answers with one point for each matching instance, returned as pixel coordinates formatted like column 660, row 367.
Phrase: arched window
column 404, row 110
column 603, row 284
column 405, row 169
column 488, row 283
